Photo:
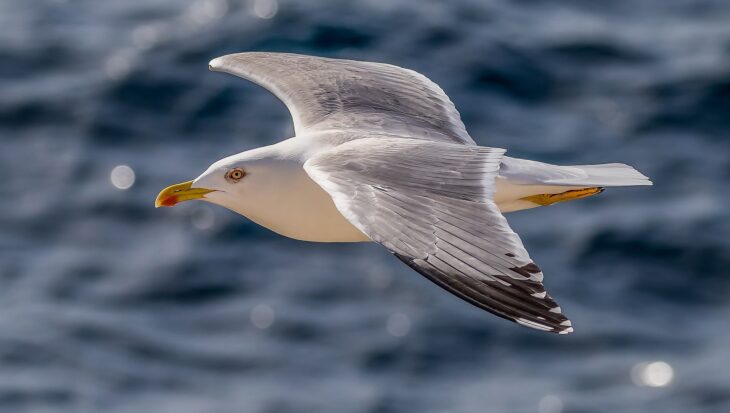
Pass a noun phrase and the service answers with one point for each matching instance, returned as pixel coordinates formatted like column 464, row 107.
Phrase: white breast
column 293, row 205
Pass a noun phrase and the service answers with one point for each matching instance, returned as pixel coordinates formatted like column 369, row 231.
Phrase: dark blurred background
column 108, row 305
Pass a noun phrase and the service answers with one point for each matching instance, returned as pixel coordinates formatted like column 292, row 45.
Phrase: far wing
column 430, row 204
column 325, row 94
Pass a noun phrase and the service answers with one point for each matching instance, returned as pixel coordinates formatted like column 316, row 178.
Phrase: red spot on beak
column 174, row 194
column 169, row 201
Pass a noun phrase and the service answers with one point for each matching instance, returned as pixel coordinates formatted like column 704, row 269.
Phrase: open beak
column 177, row 193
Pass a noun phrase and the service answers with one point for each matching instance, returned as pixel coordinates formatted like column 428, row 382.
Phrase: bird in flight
column 380, row 154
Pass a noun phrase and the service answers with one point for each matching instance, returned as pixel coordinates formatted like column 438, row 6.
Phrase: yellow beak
column 177, row 193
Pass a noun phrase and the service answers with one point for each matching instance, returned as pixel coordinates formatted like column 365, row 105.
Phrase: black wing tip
column 552, row 321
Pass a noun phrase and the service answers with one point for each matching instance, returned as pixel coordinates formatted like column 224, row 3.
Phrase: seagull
column 380, row 154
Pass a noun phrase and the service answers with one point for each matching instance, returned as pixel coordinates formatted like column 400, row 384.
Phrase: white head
column 270, row 186
column 235, row 182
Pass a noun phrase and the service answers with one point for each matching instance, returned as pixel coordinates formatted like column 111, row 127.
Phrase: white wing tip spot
column 556, row 310
column 216, row 64
column 566, row 323
column 566, row 331
column 533, row 324
column 539, row 295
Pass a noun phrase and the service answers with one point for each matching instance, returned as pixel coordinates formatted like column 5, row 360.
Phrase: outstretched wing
column 430, row 204
column 325, row 94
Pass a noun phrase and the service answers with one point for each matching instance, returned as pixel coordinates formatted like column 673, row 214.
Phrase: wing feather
column 326, row 94
column 413, row 197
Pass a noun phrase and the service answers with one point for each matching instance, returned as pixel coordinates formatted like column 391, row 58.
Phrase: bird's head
column 231, row 182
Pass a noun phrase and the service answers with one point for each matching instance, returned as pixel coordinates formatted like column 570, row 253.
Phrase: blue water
column 109, row 305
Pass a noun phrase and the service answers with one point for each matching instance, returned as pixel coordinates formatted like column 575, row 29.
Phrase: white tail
column 524, row 184
column 608, row 174
column 523, row 171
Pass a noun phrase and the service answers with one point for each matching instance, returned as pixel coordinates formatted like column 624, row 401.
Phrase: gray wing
column 430, row 204
column 325, row 94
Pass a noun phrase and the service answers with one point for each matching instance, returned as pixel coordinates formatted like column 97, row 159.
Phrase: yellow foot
column 549, row 199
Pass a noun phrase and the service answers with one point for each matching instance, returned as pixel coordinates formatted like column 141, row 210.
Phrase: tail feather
column 526, row 172
column 609, row 174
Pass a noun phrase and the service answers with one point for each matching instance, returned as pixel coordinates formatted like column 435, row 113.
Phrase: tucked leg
column 549, row 199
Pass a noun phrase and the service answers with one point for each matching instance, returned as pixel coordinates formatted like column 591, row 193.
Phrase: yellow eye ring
column 235, row 174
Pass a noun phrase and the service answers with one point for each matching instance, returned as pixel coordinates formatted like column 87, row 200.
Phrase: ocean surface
column 110, row 305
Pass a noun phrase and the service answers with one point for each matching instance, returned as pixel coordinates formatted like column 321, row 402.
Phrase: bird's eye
column 235, row 175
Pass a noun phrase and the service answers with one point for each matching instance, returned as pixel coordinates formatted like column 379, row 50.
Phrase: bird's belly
column 304, row 211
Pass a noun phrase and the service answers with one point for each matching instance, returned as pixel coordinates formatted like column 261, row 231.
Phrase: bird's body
column 380, row 154
column 291, row 204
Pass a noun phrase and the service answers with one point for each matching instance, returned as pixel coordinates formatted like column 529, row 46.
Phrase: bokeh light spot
column 652, row 374
column 118, row 65
column 262, row 316
column 264, row 9
column 205, row 11
column 203, row 218
column 122, row 177
column 398, row 325
column 550, row 403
